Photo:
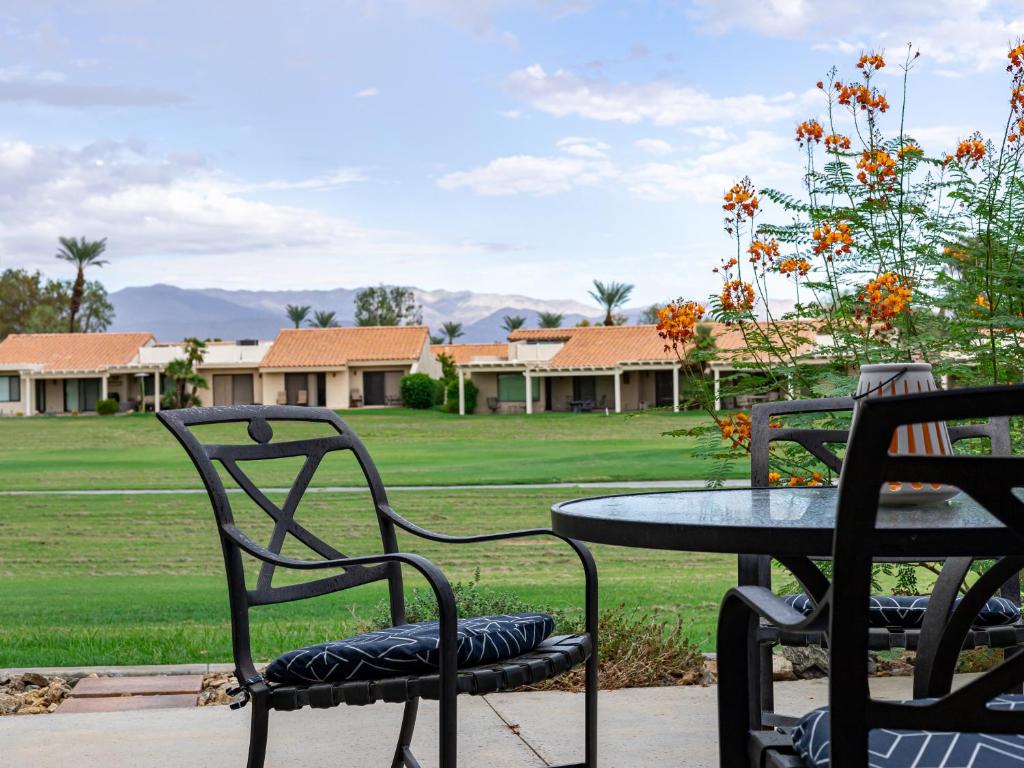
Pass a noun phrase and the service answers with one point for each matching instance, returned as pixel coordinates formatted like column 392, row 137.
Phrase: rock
column 808, row 663
column 34, row 678
column 782, row 668
column 8, row 704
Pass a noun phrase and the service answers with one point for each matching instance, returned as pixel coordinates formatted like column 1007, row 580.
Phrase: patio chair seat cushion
column 917, row 749
column 907, row 611
column 411, row 649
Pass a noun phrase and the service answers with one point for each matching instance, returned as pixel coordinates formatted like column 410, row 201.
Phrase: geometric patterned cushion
column 411, row 649
column 907, row 611
column 917, row 749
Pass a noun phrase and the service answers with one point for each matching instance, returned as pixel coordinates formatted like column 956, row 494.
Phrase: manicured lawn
column 114, row 579
column 410, row 448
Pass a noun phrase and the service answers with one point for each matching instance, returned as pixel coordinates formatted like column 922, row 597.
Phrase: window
column 512, row 387
column 10, row 389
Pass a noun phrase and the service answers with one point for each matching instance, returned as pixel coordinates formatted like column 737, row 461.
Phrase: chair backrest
column 990, row 481
column 259, row 420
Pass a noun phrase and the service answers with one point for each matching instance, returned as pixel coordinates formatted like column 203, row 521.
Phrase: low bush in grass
column 639, row 647
column 106, row 407
column 470, row 391
column 418, row 391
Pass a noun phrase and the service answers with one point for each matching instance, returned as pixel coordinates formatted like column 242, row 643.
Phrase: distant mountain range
column 173, row 313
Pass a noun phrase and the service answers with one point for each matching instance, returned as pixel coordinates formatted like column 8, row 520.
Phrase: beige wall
column 338, row 390
column 427, row 363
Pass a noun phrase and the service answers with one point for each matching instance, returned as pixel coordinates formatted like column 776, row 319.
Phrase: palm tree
column 82, row 253
column 452, row 331
column 611, row 297
column 512, row 322
column 550, row 319
column 297, row 314
column 324, row 319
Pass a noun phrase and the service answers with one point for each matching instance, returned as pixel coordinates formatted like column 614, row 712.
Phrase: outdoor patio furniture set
column 798, row 527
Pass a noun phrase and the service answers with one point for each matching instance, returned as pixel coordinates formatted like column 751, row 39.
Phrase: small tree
column 324, row 319
column 452, row 331
column 611, row 297
column 550, row 319
column 298, row 314
column 182, row 370
column 387, row 306
column 512, row 322
column 81, row 253
column 650, row 315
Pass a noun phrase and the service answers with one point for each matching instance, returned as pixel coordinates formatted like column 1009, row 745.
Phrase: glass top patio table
column 777, row 521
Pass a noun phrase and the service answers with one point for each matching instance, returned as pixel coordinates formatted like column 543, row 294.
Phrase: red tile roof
column 461, row 354
column 57, row 352
column 336, row 347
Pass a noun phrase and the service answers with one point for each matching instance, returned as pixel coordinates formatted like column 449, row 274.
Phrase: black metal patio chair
column 436, row 660
column 978, row 724
column 896, row 621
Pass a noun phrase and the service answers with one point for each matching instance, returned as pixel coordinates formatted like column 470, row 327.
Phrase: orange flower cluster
column 832, row 239
column 909, row 150
column 1016, row 57
column 952, row 252
column 887, row 296
column 867, row 62
column 736, row 429
column 808, row 131
column 855, row 94
column 737, row 296
column 970, row 151
column 816, row 480
column 677, row 321
column 981, row 300
column 798, row 266
column 774, row 477
column 741, row 199
column 836, row 142
column 876, row 167
column 763, row 251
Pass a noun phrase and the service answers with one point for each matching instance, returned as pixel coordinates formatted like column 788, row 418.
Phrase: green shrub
column 106, row 407
column 417, row 390
column 439, row 390
column 452, row 404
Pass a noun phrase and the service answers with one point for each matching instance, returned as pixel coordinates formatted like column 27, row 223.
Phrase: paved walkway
column 637, row 484
column 639, row 728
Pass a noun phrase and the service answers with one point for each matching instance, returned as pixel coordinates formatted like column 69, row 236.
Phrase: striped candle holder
column 927, row 439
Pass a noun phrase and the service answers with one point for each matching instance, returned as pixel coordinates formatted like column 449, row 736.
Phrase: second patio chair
column 895, row 619
column 401, row 664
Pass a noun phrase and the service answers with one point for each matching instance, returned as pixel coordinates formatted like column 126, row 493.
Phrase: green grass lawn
column 115, row 579
column 409, row 447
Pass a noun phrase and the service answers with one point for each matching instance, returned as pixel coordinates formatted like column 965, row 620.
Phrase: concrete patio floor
column 639, row 727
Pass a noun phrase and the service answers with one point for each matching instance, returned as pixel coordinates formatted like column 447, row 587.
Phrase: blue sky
column 523, row 146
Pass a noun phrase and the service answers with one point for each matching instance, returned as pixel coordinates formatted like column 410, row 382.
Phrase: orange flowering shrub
column 1016, row 57
column 677, row 322
column 794, row 266
column 855, row 95
column 764, row 251
column 736, row 429
column 774, row 477
column 970, row 152
column 887, row 296
column 832, row 239
column 875, row 167
column 737, row 296
column 872, row 61
column 741, row 199
column 837, row 142
column 909, row 150
column 808, row 131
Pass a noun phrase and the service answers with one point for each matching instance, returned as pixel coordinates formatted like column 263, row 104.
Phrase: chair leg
column 258, row 732
column 449, row 729
column 590, row 712
column 405, row 734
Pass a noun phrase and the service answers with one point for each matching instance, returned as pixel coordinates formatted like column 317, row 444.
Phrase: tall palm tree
column 452, row 331
column 550, row 319
column 611, row 297
column 512, row 322
column 324, row 319
column 82, row 253
column 297, row 314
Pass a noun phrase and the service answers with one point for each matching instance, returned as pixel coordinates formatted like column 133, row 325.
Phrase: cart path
column 626, row 484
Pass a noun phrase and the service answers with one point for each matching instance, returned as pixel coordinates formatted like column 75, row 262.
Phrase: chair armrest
column 766, row 605
column 815, row 405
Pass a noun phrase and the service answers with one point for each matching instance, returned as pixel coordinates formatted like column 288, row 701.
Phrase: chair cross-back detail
column 508, row 651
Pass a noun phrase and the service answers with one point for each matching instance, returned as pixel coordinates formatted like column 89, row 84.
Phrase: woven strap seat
column 549, row 659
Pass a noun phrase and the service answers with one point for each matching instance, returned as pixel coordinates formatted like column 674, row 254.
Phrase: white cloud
column 529, row 174
column 653, row 146
column 712, row 132
column 583, row 147
column 367, row 93
column 563, row 93
column 175, row 218
column 478, row 17
column 971, row 33
column 23, row 85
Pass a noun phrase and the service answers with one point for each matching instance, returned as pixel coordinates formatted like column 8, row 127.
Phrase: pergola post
column 156, row 393
column 718, row 391
column 618, row 391
column 529, row 391
column 27, row 394
column 104, row 386
column 675, row 389
column 462, row 392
